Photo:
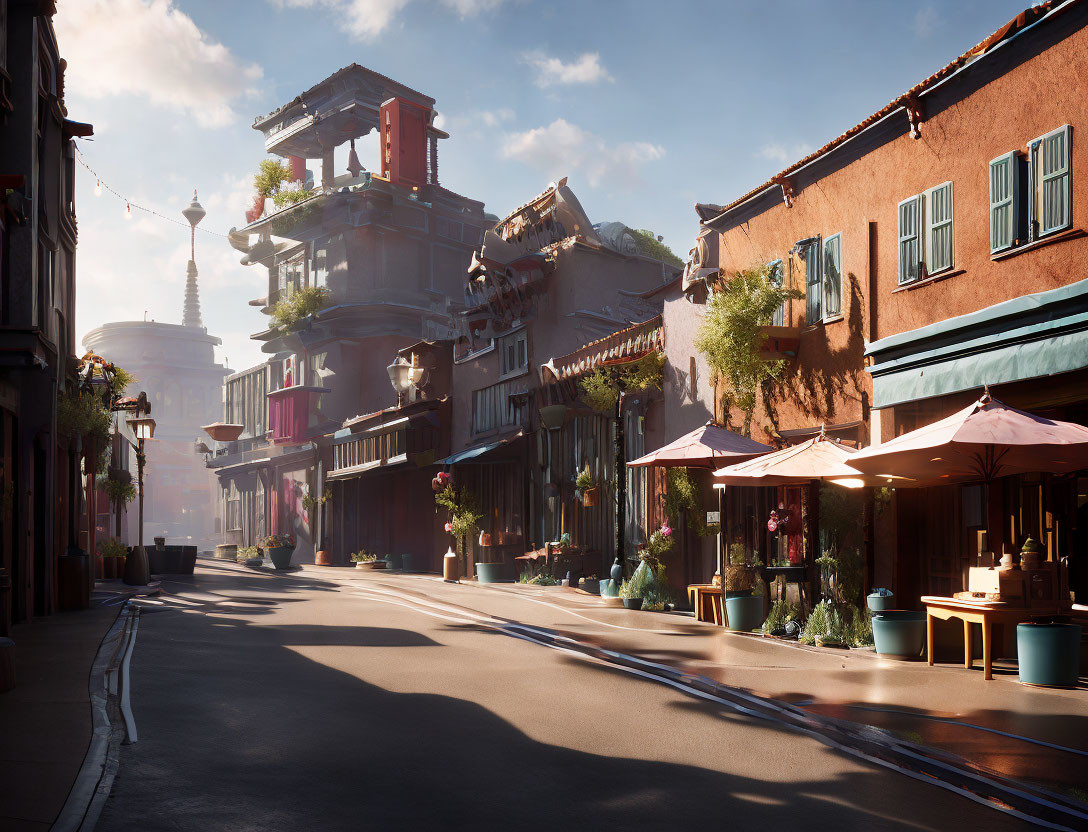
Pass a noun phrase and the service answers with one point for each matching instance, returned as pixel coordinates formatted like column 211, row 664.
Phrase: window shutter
column 910, row 251
column 1054, row 181
column 812, row 283
column 775, row 268
column 939, row 228
column 1003, row 199
column 833, row 275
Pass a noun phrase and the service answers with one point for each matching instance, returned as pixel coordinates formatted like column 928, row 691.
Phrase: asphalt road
column 289, row 702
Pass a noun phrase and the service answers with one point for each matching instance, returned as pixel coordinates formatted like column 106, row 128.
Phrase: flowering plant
column 278, row 541
column 448, row 527
column 658, row 544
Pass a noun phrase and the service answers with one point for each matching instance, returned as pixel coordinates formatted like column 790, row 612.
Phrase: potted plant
column 782, row 614
column 1030, row 555
column 280, row 547
column 743, row 608
column 587, row 487
column 632, row 589
column 880, row 599
column 367, row 560
column 251, row 556
column 113, row 553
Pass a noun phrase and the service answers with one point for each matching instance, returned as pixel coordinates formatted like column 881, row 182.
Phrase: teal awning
column 477, row 451
column 1033, row 336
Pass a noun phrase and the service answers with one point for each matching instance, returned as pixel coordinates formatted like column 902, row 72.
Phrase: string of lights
column 100, row 186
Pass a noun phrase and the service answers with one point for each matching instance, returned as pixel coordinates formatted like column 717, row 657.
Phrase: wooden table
column 702, row 596
column 986, row 613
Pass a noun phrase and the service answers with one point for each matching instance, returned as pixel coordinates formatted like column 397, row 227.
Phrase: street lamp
column 137, row 570
column 403, row 375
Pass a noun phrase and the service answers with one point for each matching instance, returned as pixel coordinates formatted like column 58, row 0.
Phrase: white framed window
column 1004, row 202
column 938, row 205
column 775, row 272
column 1049, row 157
column 832, row 276
column 813, row 306
column 910, row 239
column 513, row 353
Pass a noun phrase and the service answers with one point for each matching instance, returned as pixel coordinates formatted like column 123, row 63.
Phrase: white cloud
column 561, row 148
column 782, row 154
column 551, row 71
column 152, row 49
column 926, row 21
column 366, row 19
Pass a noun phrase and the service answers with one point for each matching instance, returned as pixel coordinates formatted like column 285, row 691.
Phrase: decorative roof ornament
column 194, row 213
column 355, row 167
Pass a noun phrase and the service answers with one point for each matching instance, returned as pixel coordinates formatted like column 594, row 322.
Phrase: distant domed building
column 175, row 365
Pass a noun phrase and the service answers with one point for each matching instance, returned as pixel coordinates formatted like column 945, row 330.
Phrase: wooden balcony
column 289, row 414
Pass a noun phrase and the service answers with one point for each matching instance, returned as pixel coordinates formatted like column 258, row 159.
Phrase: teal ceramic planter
column 899, row 633
column 879, row 603
column 744, row 612
column 406, row 562
column 393, row 561
column 489, row 573
column 1049, row 654
column 281, row 556
column 609, row 588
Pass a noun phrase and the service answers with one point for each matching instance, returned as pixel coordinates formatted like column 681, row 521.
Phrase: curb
column 94, row 781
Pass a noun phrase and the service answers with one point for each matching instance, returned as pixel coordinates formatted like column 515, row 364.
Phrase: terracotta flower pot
column 590, row 497
column 322, row 558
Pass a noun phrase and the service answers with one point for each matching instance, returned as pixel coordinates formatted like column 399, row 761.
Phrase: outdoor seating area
column 804, row 530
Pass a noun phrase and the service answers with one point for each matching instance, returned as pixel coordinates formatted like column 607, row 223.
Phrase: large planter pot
column 226, row 551
column 744, row 612
column 879, row 603
column 490, row 573
column 900, row 633
column 281, row 556
column 632, row 603
column 113, row 568
column 172, row 560
column 1049, row 654
column 73, row 581
column 609, row 588
column 322, row 558
column 406, row 562
column 393, row 561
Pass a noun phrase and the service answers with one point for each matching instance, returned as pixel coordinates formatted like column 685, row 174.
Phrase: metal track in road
column 874, row 745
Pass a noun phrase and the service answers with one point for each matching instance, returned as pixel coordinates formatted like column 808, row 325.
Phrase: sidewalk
column 45, row 721
column 1031, row 734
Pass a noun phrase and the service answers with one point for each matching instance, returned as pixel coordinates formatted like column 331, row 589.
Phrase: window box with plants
column 113, row 553
column 587, row 487
column 367, row 560
column 279, row 547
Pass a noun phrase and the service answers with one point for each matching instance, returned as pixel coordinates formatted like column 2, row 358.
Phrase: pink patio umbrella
column 819, row 458
column 988, row 439
column 704, row 447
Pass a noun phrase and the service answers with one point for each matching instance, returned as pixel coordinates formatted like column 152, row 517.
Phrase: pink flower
column 449, row 527
column 665, row 530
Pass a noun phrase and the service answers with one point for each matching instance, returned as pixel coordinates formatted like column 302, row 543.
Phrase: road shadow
column 241, row 732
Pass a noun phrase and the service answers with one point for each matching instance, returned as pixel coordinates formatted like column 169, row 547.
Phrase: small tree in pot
column 744, row 610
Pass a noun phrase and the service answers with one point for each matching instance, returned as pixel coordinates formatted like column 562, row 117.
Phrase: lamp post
column 137, row 571
column 403, row 374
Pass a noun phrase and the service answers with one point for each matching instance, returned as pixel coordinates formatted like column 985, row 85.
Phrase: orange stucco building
column 916, row 239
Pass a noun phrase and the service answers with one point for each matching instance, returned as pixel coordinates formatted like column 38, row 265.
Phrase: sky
column 647, row 108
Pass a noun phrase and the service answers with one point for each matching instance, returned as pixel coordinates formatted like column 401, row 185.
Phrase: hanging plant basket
column 590, row 497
